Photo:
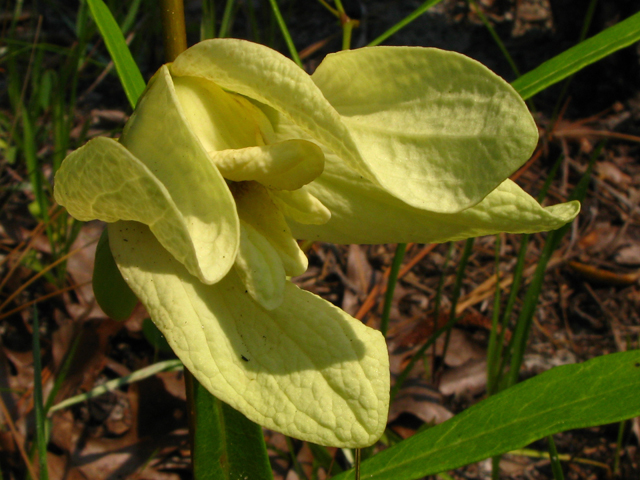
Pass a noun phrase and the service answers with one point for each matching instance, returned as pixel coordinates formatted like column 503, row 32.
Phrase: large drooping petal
column 457, row 105
column 305, row 368
column 103, row 180
column 364, row 213
column 436, row 125
column 159, row 135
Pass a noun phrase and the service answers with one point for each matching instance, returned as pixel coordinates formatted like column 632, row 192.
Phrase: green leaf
column 585, row 53
column 226, row 445
column 600, row 391
column 112, row 293
column 128, row 71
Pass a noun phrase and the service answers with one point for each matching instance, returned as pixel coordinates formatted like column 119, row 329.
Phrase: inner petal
column 256, row 208
column 259, row 267
column 301, row 206
column 221, row 120
column 286, row 165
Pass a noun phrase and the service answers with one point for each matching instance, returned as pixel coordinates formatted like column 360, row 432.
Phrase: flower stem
column 173, row 28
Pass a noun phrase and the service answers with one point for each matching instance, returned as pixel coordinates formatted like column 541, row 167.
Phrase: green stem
column 457, row 287
column 285, row 33
column 404, row 22
column 173, row 28
column 41, row 435
column 225, row 26
column 391, row 286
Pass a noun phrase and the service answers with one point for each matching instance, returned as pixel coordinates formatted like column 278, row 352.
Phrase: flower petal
column 469, row 123
column 259, row 267
column 301, row 206
column 221, row 120
column 260, row 73
column 364, row 213
column 103, row 180
column 306, row 369
column 159, row 134
column 439, row 130
column 256, row 208
column 285, row 165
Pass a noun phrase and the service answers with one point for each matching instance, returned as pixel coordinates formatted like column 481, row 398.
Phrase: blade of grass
column 285, row 33
column 556, row 468
column 525, row 319
column 208, row 20
column 457, row 287
column 431, row 341
column 41, row 436
column 391, row 286
column 404, row 22
column 585, row 53
column 225, row 26
column 495, row 37
column 515, row 286
column 128, row 71
column 111, row 385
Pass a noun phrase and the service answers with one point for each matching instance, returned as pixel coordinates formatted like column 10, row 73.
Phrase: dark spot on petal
column 244, row 358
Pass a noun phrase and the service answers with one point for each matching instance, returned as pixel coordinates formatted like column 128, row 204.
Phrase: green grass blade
column 225, row 26
column 111, row 385
column 128, row 71
column 293, row 51
column 603, row 390
column 225, row 444
column 585, row 53
column 525, row 319
column 391, row 286
column 41, row 436
column 404, row 22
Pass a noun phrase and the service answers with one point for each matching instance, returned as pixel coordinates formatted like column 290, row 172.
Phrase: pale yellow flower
column 233, row 152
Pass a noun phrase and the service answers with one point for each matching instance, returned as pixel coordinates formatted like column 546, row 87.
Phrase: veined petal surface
column 301, row 206
column 259, row 267
column 256, row 208
column 159, row 135
column 103, row 180
column 438, row 129
column 364, row 213
column 262, row 74
column 306, row 368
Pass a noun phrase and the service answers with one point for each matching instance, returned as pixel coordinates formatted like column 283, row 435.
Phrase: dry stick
column 380, row 289
column 18, row 439
column 44, row 297
column 42, row 272
column 34, row 235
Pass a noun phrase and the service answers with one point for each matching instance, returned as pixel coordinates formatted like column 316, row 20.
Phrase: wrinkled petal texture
column 306, row 368
column 506, row 209
column 103, row 180
column 159, row 135
column 442, row 129
column 435, row 129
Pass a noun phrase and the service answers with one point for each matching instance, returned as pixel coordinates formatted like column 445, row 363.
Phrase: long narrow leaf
column 600, row 391
column 585, row 53
column 128, row 71
column 226, row 445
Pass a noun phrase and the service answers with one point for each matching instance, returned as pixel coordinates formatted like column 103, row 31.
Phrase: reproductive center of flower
column 266, row 178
